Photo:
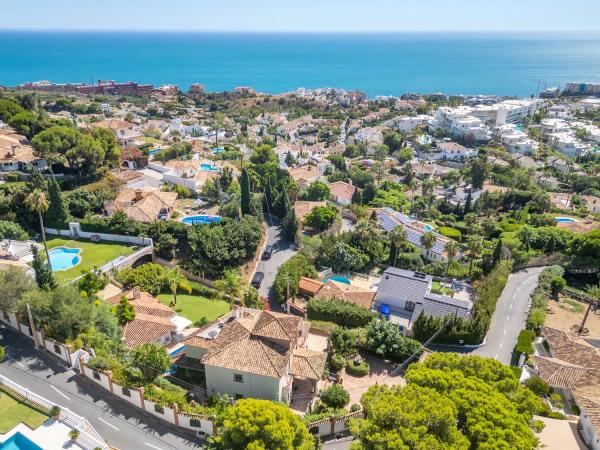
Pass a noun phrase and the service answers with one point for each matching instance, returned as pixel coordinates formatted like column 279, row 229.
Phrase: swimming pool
column 154, row 151
column 338, row 278
column 201, row 219
column 19, row 441
column 209, row 167
column 63, row 258
column 427, row 227
column 565, row 219
column 217, row 150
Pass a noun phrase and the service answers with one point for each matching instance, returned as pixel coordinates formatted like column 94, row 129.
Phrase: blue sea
column 379, row 64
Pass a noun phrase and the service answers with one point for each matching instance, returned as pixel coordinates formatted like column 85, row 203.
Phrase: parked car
column 268, row 252
column 257, row 279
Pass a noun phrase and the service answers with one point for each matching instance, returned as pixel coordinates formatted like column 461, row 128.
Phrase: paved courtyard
column 560, row 435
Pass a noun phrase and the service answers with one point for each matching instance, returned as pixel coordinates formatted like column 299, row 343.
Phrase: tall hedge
column 288, row 276
column 339, row 312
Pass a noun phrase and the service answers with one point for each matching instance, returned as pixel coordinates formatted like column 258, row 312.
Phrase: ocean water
column 379, row 64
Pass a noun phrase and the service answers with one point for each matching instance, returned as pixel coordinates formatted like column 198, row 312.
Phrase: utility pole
column 32, row 326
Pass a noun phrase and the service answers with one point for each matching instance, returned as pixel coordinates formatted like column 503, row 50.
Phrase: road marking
column 109, row 424
column 500, row 348
column 505, row 331
column 65, row 396
column 153, row 446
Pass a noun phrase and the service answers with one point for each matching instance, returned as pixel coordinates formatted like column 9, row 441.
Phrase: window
column 126, row 392
column 159, row 409
column 238, row 378
column 195, row 423
column 96, row 375
column 57, row 348
column 410, row 306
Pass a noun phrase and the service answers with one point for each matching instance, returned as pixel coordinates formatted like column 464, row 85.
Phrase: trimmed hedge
column 288, row 276
column 541, row 296
column 525, row 342
column 449, row 232
column 357, row 370
column 340, row 312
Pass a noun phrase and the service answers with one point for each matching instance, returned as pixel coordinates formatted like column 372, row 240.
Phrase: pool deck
column 52, row 434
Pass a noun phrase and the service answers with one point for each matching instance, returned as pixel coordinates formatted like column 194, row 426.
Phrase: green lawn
column 195, row 307
column 14, row 412
column 93, row 254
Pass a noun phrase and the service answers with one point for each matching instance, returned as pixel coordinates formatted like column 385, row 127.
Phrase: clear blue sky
column 302, row 15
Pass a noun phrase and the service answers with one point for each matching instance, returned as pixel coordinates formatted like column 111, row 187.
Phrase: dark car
column 268, row 252
column 257, row 279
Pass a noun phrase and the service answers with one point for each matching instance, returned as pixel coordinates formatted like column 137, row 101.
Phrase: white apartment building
column 508, row 111
column 515, row 140
column 406, row 124
column 459, row 122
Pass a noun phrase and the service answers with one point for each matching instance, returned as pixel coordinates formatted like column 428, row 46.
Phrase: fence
column 88, row 437
column 75, row 231
column 135, row 396
column 333, row 425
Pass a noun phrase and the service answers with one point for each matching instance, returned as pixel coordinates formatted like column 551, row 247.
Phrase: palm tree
column 37, row 201
column 451, row 249
column 428, row 240
column 475, row 246
column 594, row 292
column 230, row 286
column 176, row 281
column 397, row 237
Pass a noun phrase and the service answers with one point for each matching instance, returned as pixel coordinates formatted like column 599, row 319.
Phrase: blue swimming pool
column 19, row 441
column 217, row 150
column 338, row 278
column 565, row 219
column 201, row 219
column 209, row 167
column 154, row 151
column 427, row 227
column 62, row 258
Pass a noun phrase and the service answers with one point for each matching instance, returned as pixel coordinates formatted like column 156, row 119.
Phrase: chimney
column 13, row 150
column 136, row 292
column 138, row 195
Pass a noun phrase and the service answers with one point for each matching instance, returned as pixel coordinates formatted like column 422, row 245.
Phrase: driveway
column 510, row 315
column 120, row 424
column 282, row 253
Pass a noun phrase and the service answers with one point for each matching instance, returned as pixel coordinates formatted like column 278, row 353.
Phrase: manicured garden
column 195, row 307
column 15, row 412
column 93, row 254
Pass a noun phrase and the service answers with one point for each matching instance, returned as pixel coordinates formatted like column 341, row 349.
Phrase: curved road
column 510, row 315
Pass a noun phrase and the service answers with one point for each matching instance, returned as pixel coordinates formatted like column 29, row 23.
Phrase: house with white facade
column 451, row 151
column 515, row 140
column 256, row 354
column 15, row 155
column 460, row 123
column 402, row 295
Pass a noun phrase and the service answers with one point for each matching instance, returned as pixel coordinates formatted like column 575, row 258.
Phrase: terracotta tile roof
column 143, row 204
column 12, row 150
column 342, row 190
column 308, row 286
column 305, row 174
column 256, row 341
column 308, row 363
column 112, row 124
column 146, row 328
column 588, row 399
column 303, row 208
column 559, row 374
column 353, row 294
column 570, row 350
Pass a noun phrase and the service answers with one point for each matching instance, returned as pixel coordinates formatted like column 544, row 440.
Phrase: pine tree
column 57, row 212
column 289, row 159
column 36, row 181
column 245, row 187
column 43, row 275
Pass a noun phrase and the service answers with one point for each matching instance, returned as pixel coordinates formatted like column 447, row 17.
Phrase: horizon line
column 251, row 31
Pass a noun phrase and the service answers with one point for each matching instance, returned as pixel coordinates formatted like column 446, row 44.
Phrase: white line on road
column 500, row 348
column 153, row 446
column 65, row 396
column 109, row 424
column 505, row 331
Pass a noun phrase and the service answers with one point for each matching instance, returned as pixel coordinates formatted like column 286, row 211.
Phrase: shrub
column 54, row 411
column 335, row 396
column 355, row 407
column 538, row 386
column 339, row 311
column 357, row 370
column 337, row 362
column 11, row 230
column 74, row 434
column 288, row 276
column 556, row 415
column 149, row 277
column 449, row 232
column 538, row 426
column 385, row 339
column 525, row 342
column 11, row 177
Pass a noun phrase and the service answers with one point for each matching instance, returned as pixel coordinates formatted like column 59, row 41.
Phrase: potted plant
column 55, row 412
column 74, row 434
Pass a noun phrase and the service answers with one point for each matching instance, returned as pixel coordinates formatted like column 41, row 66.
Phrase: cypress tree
column 497, row 253
column 245, row 187
column 43, row 273
column 57, row 212
column 467, row 208
column 357, row 197
column 290, row 225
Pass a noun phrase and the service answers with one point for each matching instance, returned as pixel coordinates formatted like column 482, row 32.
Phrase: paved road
column 510, row 315
column 270, row 266
column 339, row 444
column 119, row 423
